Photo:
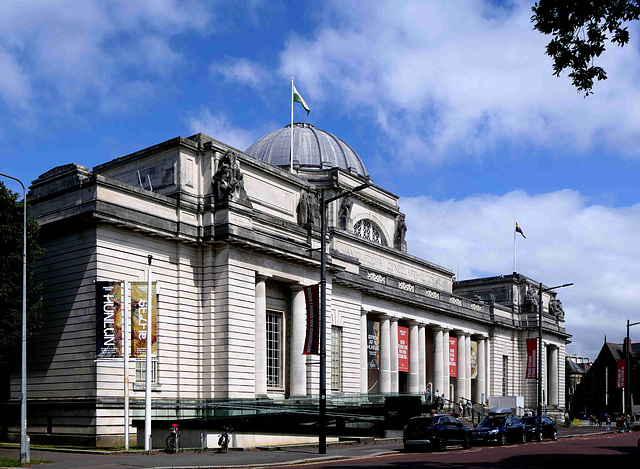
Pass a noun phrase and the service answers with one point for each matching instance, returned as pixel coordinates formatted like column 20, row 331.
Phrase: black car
column 500, row 429
column 539, row 428
column 435, row 432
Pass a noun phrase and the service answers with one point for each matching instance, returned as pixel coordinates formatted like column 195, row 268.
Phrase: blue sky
column 451, row 105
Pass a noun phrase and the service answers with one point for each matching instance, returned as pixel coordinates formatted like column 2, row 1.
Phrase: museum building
column 234, row 237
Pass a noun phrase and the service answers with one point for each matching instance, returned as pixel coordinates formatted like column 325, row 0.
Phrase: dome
column 312, row 149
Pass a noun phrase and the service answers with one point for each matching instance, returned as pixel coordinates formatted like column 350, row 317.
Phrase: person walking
column 427, row 395
column 608, row 420
column 469, row 407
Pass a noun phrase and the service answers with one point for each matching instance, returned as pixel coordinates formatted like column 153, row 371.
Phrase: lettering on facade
column 476, row 307
column 455, row 301
column 397, row 269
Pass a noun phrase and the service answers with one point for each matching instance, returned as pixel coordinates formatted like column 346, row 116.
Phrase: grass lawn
column 15, row 462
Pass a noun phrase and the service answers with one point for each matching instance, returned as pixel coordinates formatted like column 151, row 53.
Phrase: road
column 608, row 450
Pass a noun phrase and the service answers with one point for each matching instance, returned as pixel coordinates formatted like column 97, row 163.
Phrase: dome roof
column 312, row 149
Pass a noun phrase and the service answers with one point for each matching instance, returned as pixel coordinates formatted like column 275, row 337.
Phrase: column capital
column 394, row 319
column 261, row 277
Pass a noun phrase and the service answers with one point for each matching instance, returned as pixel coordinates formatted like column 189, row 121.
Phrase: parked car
column 435, row 432
column 539, row 428
column 500, row 429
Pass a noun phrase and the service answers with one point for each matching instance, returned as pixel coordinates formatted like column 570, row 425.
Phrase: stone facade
column 230, row 258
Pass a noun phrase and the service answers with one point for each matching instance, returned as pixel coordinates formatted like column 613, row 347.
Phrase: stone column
column 393, row 337
column 414, row 346
column 467, row 354
column 385, row 355
column 297, row 361
column 422, row 357
column 364, row 366
column 261, row 337
column 446, row 379
column 461, row 367
column 553, row 375
column 438, row 360
column 488, row 381
column 481, row 379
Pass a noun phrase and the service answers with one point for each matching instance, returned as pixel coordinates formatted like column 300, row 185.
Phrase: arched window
column 367, row 230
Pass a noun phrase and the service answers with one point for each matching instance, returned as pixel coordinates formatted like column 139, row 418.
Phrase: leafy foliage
column 580, row 30
column 11, row 238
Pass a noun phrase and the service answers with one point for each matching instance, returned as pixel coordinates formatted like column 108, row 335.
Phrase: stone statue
column 531, row 300
column 228, row 181
column 401, row 231
column 555, row 306
column 308, row 210
column 344, row 213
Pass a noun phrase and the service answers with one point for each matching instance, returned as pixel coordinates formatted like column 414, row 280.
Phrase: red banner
column 532, row 369
column 403, row 348
column 620, row 373
column 453, row 357
column 312, row 339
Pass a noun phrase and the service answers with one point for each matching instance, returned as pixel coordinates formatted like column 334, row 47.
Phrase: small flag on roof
column 519, row 230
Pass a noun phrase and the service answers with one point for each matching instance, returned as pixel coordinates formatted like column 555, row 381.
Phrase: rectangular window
column 505, row 375
column 336, row 358
column 141, row 375
column 274, row 349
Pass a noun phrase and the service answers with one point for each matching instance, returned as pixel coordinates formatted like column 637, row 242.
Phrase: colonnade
column 417, row 375
column 417, row 378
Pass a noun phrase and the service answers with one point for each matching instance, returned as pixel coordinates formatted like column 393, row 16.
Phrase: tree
column 11, row 238
column 580, row 29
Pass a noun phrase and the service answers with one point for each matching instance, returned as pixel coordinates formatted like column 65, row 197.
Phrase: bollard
column 150, row 443
column 202, row 442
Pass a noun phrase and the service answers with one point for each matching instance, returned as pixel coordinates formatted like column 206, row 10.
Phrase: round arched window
column 367, row 230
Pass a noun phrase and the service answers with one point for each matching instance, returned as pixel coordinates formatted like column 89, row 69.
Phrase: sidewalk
column 190, row 459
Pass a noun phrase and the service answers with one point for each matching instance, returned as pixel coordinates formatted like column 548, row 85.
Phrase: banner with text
column 532, row 369
column 373, row 345
column 140, row 318
column 312, row 339
column 109, row 310
column 453, row 357
column 403, row 348
column 620, row 365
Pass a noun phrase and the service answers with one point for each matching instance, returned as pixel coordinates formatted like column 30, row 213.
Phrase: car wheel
column 503, row 439
column 540, row 436
column 466, row 444
column 554, row 435
column 441, row 445
column 523, row 438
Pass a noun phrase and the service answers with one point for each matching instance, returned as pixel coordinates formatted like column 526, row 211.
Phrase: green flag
column 299, row 99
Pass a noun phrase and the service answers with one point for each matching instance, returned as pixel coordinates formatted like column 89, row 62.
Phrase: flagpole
column 514, row 245
column 291, row 145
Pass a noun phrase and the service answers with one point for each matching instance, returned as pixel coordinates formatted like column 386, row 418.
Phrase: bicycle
column 173, row 440
column 223, row 441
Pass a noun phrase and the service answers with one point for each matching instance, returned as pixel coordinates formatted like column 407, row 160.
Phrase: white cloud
column 458, row 77
column 242, row 71
column 218, row 126
column 75, row 54
column 593, row 246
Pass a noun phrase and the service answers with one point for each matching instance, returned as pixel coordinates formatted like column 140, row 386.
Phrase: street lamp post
column 627, row 381
column 322, row 405
column 540, row 340
column 25, row 456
